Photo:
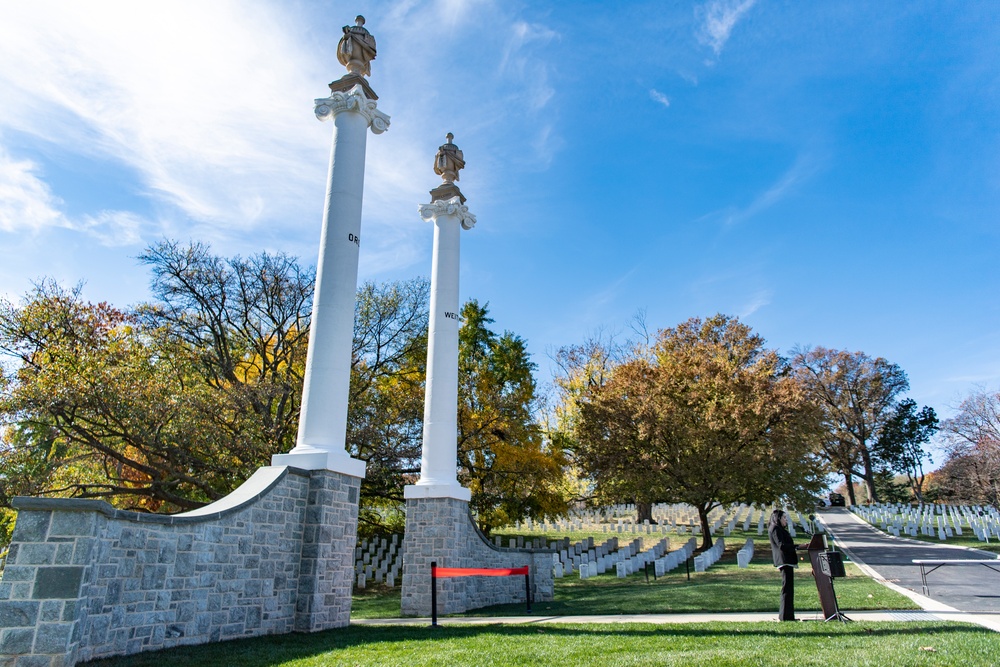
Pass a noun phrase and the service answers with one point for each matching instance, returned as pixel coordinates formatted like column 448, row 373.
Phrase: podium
column 826, row 566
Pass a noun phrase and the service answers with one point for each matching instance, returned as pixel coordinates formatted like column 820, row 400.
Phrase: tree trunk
column 866, row 457
column 849, row 479
column 706, row 534
column 917, row 486
column 644, row 512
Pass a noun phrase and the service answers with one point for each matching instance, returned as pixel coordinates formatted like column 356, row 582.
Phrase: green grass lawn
column 704, row 645
column 723, row 588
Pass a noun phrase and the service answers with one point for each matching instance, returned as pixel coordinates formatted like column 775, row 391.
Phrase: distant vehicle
column 837, row 500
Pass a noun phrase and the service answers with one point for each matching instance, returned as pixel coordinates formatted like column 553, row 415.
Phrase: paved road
column 972, row 588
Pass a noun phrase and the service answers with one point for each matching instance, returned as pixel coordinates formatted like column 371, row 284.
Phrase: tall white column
column 321, row 442
column 438, row 464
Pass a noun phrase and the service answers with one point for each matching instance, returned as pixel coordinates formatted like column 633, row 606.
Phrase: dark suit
column 785, row 559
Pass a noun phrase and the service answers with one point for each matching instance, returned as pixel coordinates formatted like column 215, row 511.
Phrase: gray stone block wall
column 84, row 580
column 441, row 530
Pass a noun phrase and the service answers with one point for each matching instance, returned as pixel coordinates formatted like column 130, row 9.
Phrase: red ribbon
column 441, row 572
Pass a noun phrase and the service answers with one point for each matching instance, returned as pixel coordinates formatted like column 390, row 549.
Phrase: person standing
column 786, row 560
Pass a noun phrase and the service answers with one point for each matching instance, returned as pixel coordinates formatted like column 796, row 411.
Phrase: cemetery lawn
column 705, row 644
column 723, row 588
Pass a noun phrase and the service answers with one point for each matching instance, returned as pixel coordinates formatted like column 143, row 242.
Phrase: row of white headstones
column 590, row 560
column 944, row 521
column 679, row 519
column 379, row 560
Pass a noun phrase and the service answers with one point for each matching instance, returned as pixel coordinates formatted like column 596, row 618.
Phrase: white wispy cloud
column 115, row 228
column 804, row 168
column 657, row 96
column 26, row 202
column 757, row 301
column 718, row 18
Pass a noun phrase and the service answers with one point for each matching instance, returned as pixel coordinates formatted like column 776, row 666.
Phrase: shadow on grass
column 280, row 649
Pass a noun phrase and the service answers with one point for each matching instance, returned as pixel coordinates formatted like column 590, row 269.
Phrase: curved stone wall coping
column 514, row 550
column 259, row 484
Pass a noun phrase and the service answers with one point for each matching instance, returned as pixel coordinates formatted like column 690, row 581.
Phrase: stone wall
column 84, row 580
column 441, row 530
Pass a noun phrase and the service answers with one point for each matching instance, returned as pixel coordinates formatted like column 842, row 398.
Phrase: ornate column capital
column 353, row 100
column 453, row 206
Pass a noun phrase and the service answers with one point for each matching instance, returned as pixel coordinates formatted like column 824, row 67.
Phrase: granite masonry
column 442, row 530
column 84, row 580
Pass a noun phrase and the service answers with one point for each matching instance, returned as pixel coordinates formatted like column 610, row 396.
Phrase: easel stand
column 826, row 565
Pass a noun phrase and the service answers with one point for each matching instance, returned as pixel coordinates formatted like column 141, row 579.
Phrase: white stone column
column 438, row 464
column 321, row 443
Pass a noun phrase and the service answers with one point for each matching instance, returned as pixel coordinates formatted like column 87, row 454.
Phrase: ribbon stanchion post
column 443, row 572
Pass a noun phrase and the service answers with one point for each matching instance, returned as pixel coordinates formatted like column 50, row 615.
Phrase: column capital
column 453, row 206
column 353, row 100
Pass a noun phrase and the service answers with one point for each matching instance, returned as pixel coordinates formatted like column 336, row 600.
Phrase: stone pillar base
column 441, row 530
column 330, row 533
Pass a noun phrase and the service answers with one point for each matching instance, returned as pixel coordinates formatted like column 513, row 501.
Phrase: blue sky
column 829, row 172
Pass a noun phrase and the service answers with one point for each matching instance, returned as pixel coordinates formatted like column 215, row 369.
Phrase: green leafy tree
column 242, row 325
column 900, row 444
column 706, row 416
column 503, row 459
column 385, row 414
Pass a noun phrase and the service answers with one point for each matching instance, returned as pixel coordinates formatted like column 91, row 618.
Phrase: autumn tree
column 858, row 395
column 90, row 409
column 971, row 473
column 707, row 416
column 512, row 471
column 579, row 369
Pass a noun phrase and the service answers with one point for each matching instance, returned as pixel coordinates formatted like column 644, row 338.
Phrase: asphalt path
column 970, row 587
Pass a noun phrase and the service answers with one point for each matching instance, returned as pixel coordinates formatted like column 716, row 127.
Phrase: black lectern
column 826, row 565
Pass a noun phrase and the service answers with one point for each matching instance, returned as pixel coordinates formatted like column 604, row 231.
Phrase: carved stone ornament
column 356, row 49
column 353, row 100
column 449, row 160
column 452, row 206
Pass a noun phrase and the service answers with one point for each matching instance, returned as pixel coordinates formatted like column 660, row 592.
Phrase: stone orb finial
column 449, row 160
column 356, row 49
